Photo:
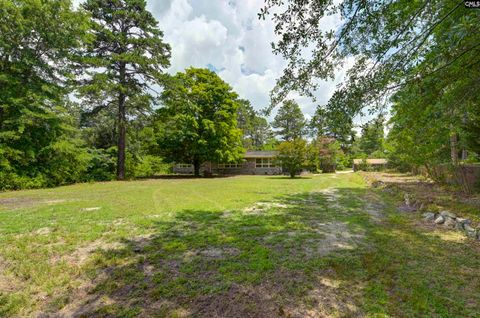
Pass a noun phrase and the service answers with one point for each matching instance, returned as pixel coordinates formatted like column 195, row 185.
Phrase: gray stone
column 407, row 199
column 449, row 222
column 459, row 226
column 448, row 214
column 429, row 216
column 464, row 221
column 461, row 222
column 470, row 231
column 439, row 220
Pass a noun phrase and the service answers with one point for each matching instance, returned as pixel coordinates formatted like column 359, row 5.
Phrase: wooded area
column 84, row 93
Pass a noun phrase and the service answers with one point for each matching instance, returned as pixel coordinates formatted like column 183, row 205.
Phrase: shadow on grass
column 184, row 176
column 290, row 178
column 310, row 254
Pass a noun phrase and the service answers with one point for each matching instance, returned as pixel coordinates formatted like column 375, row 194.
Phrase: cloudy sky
column 227, row 37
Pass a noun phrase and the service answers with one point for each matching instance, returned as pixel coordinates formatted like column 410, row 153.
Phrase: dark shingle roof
column 260, row 154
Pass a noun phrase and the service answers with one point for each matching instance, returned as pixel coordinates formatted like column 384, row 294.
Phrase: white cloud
column 228, row 36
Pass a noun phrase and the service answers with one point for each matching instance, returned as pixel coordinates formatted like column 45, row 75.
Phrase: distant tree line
column 84, row 97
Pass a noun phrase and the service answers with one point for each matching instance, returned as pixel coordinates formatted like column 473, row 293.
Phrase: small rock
column 407, row 199
column 448, row 214
column 463, row 221
column 429, row 216
column 378, row 184
column 459, row 226
column 439, row 220
column 449, row 222
column 470, row 231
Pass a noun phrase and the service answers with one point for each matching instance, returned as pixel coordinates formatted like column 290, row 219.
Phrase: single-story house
column 376, row 164
column 254, row 162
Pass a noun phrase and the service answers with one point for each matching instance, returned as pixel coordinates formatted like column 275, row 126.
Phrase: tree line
column 418, row 59
column 84, row 96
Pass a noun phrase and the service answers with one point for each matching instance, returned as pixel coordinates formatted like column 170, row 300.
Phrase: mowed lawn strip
column 234, row 247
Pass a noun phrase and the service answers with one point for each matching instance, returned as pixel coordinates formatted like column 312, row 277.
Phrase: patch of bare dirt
column 81, row 254
column 262, row 207
column 8, row 283
column 271, row 299
column 327, row 299
column 18, row 203
column 335, row 236
column 374, row 206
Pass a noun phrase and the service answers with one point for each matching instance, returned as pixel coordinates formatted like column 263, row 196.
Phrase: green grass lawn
column 250, row 246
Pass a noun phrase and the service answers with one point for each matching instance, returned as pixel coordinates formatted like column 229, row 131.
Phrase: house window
column 264, row 163
column 229, row 165
column 184, row 165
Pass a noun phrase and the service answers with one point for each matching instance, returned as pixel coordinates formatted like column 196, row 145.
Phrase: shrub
column 65, row 161
column 102, row 165
column 292, row 155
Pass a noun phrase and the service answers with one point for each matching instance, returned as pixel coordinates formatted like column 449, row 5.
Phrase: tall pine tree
column 126, row 58
column 290, row 121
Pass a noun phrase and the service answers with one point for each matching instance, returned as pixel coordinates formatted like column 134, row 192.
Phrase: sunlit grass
column 185, row 247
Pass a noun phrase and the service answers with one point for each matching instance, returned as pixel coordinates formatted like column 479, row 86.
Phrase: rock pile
column 450, row 220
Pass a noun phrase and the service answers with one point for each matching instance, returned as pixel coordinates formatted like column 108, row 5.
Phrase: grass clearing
column 252, row 246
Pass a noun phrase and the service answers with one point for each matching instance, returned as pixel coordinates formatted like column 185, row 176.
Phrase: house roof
column 260, row 154
column 371, row 161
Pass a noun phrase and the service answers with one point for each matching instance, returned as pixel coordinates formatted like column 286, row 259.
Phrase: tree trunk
column 196, row 167
column 454, row 148
column 458, row 170
column 122, row 120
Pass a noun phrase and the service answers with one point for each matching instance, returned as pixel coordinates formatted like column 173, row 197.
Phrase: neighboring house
column 254, row 162
column 375, row 164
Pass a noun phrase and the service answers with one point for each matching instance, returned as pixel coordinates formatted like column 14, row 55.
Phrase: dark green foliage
column 290, row 121
column 125, row 58
column 36, row 134
column 371, row 141
column 255, row 128
column 198, row 122
column 424, row 53
column 293, row 156
column 102, row 164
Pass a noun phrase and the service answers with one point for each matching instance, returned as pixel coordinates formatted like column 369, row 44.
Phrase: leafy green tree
column 290, row 121
column 372, row 138
column 328, row 151
column 334, row 124
column 405, row 50
column 125, row 60
column 37, row 39
column 198, row 122
column 293, row 156
column 255, row 128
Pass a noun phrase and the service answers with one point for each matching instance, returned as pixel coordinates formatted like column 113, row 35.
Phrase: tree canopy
column 37, row 40
column 198, row 120
column 420, row 57
column 125, row 60
column 289, row 121
column 255, row 129
column 293, row 156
